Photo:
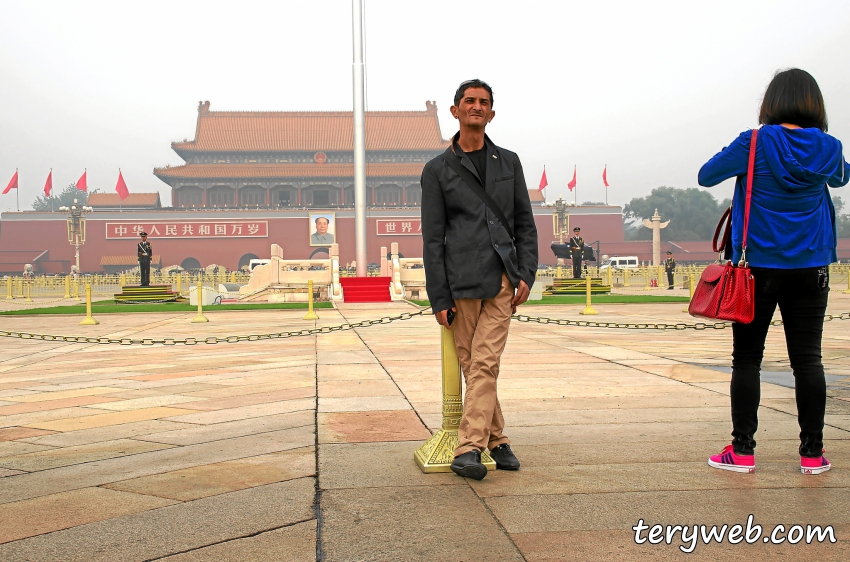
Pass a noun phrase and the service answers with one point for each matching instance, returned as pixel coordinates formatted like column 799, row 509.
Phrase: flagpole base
column 199, row 319
column 437, row 454
column 89, row 321
column 588, row 310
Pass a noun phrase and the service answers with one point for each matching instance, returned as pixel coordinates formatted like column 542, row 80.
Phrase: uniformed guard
column 144, row 254
column 670, row 267
column 577, row 251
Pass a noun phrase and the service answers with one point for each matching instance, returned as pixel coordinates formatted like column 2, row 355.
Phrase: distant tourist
column 791, row 241
column 480, row 255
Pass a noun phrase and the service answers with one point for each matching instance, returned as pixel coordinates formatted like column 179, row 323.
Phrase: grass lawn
column 108, row 307
column 601, row 299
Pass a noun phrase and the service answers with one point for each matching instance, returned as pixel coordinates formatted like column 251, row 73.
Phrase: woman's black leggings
column 802, row 297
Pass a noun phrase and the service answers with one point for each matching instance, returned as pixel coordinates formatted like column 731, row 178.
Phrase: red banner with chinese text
column 188, row 229
column 399, row 227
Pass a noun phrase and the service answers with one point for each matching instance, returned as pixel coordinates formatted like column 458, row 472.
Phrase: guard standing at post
column 577, row 251
column 670, row 267
column 144, row 254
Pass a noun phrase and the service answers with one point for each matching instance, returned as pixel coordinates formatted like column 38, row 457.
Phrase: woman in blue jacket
column 790, row 243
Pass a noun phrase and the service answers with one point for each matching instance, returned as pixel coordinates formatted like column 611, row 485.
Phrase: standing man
column 577, row 251
column 144, row 255
column 480, row 253
column 670, row 267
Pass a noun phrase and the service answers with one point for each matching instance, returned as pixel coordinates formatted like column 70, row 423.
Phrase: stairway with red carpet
column 365, row 289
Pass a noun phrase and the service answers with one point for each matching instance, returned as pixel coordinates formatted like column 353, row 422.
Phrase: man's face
column 322, row 225
column 144, row 238
column 474, row 109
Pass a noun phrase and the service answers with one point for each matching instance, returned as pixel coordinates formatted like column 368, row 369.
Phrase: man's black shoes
column 469, row 465
column 505, row 458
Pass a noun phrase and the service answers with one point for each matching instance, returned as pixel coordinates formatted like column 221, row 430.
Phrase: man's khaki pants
column 481, row 330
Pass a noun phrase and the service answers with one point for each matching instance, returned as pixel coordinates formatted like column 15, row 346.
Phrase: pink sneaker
column 728, row 460
column 814, row 465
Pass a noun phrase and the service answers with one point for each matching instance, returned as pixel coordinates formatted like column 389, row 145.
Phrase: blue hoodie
column 792, row 220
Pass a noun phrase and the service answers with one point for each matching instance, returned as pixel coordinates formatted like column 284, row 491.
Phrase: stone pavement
column 302, row 449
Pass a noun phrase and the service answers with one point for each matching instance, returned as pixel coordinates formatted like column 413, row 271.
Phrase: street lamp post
column 76, row 228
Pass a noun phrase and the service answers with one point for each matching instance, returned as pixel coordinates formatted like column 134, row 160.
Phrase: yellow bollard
column 588, row 309
column 646, row 278
column 310, row 314
column 626, row 278
column 88, row 320
column 21, row 288
column 29, row 290
column 692, row 287
column 611, row 277
column 179, row 285
column 199, row 318
column 437, row 454
column 9, row 289
column 67, row 286
column 847, row 291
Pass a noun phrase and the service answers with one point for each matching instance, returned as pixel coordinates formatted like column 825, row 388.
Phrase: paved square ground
column 302, row 449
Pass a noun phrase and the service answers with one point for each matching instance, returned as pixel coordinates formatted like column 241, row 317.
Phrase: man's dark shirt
column 466, row 248
column 479, row 160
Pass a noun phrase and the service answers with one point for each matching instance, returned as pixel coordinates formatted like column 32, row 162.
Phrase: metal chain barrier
column 650, row 325
column 214, row 339
column 24, row 303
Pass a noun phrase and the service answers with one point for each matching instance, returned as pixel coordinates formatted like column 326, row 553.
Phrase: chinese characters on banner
column 399, row 227
column 188, row 229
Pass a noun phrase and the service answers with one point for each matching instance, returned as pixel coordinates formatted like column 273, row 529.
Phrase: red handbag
column 726, row 291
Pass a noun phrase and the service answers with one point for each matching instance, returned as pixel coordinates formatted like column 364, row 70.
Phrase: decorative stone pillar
column 656, row 225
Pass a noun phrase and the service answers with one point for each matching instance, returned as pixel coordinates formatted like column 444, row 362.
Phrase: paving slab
column 371, row 426
column 293, row 543
column 46, row 514
column 66, row 456
column 218, row 478
column 173, row 529
column 190, row 434
column 410, row 523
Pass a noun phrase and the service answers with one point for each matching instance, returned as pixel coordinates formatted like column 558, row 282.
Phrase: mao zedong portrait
column 321, row 237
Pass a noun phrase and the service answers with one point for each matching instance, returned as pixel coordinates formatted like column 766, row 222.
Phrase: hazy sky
column 652, row 89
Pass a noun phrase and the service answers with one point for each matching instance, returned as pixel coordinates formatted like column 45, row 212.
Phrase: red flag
column 81, row 183
column 605, row 176
column 543, row 181
column 572, row 184
column 13, row 183
column 48, row 185
column 121, row 187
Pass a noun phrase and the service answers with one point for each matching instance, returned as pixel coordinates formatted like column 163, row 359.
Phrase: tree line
column 693, row 214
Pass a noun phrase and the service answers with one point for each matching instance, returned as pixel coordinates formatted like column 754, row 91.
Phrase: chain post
column 88, row 320
column 200, row 318
column 588, row 309
column 691, row 288
column 847, row 291
column 626, row 278
column 9, row 288
column 179, row 284
column 28, row 283
column 437, row 454
column 646, row 278
column 67, row 286
column 310, row 314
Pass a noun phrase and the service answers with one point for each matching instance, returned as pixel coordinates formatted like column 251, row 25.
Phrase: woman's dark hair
column 793, row 96
column 474, row 83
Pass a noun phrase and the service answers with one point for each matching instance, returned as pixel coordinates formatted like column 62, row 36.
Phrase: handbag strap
column 750, row 172
column 475, row 185
column 726, row 220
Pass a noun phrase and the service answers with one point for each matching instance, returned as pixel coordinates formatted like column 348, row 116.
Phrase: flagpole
column 606, row 185
column 120, row 201
column 18, row 192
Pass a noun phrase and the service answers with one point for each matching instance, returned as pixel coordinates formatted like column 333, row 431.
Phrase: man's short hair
column 670, row 253
column 326, row 218
column 474, row 83
column 576, row 228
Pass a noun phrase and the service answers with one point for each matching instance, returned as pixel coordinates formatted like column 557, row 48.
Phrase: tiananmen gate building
column 252, row 179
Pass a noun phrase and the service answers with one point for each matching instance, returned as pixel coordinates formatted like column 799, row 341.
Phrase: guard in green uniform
column 577, row 252
column 144, row 253
column 670, row 267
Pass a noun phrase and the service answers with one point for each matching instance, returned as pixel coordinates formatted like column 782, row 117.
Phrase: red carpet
column 365, row 289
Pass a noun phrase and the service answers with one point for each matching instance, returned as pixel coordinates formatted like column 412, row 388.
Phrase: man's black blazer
column 466, row 249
